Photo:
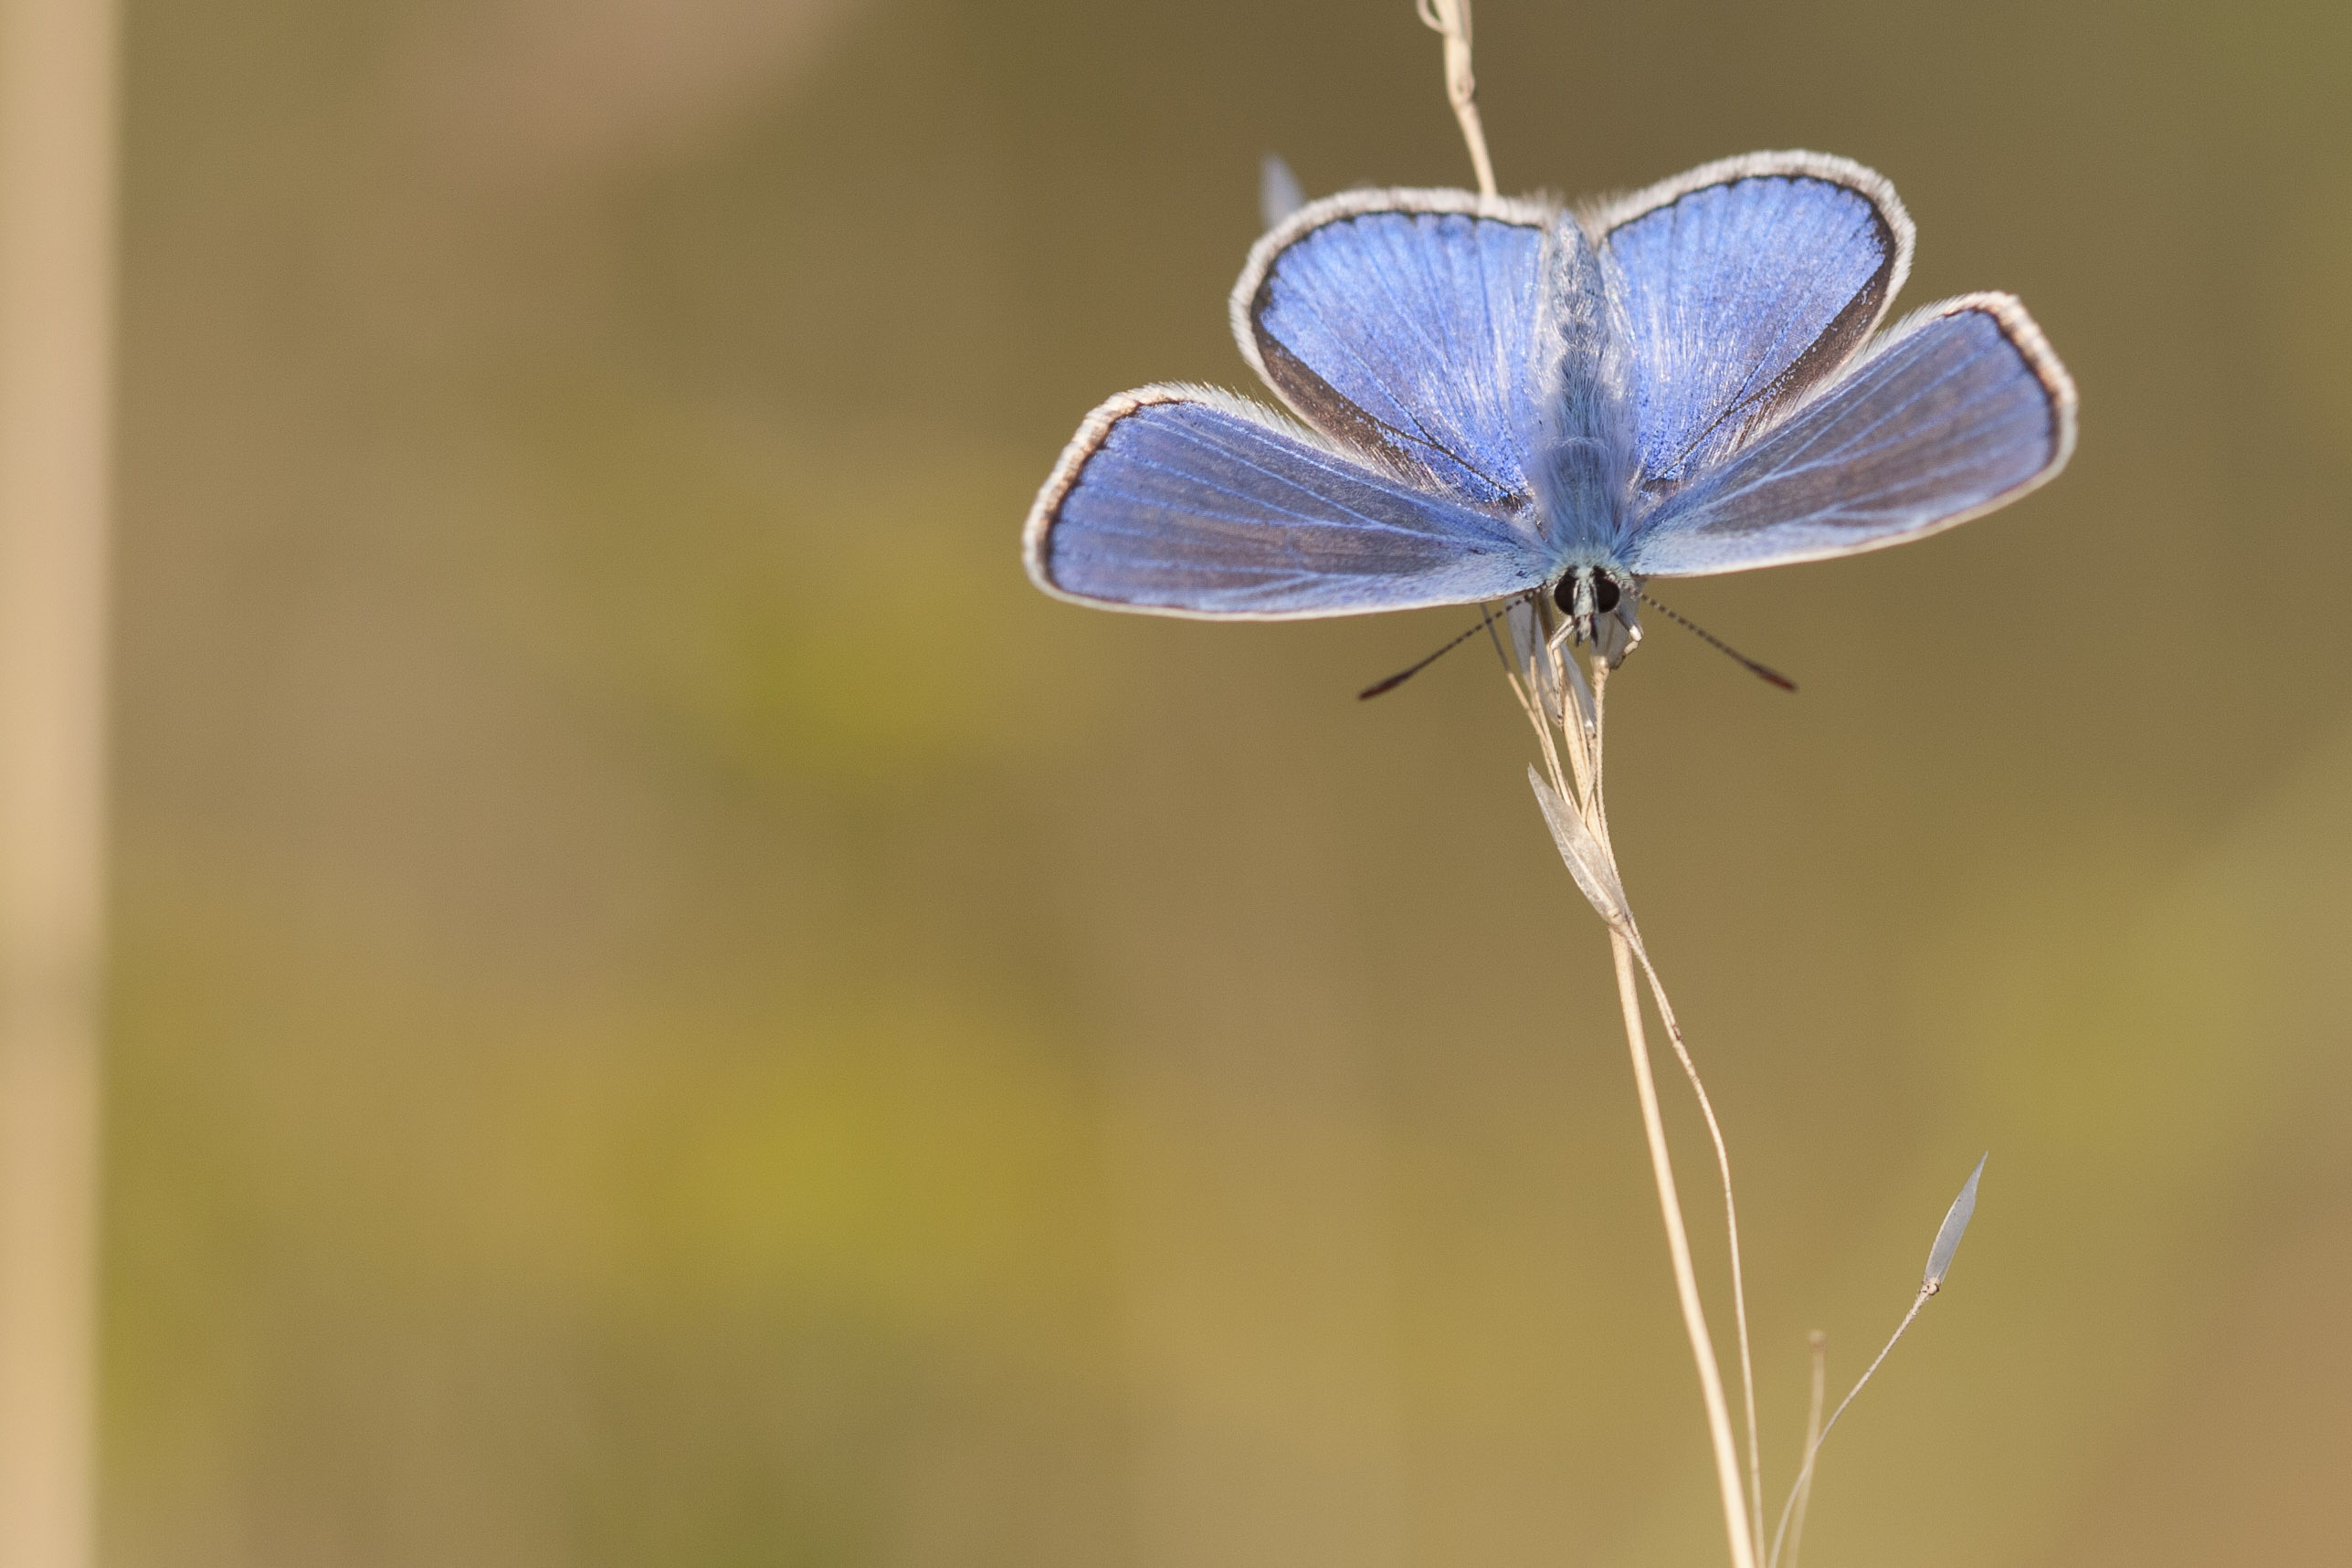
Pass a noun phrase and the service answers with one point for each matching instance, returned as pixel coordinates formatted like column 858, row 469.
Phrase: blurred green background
column 669, row 1009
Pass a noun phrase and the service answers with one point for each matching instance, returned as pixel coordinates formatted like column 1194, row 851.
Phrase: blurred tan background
column 668, row 1009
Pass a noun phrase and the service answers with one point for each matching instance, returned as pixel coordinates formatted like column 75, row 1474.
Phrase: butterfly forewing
column 1185, row 501
column 1958, row 411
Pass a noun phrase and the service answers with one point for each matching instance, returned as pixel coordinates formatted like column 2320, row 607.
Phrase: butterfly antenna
column 1486, row 621
column 1406, row 674
column 1764, row 672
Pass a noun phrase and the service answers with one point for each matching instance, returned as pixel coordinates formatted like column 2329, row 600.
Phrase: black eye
column 1564, row 594
column 1604, row 591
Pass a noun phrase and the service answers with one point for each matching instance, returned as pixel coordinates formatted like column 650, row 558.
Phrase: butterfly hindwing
column 1181, row 501
column 1744, row 283
column 1399, row 323
column 1958, row 410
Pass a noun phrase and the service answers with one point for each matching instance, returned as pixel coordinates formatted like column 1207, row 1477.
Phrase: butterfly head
column 1599, row 605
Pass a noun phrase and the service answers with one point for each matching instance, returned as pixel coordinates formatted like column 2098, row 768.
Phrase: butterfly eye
column 1564, row 594
column 1604, row 591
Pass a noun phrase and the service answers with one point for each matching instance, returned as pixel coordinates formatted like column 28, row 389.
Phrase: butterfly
column 1491, row 399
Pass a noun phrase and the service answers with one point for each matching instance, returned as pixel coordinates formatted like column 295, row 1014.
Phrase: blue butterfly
column 1497, row 398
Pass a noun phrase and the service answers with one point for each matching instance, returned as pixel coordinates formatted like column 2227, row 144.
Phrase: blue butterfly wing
column 1959, row 410
column 1745, row 282
column 1186, row 501
column 1400, row 324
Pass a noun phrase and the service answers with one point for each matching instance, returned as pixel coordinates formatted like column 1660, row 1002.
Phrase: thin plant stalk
column 1577, row 716
column 1803, row 1495
column 1451, row 19
column 1715, row 1136
column 1737, row 1521
column 1813, row 1449
column 1731, row 1228
column 1686, row 1284
column 1566, row 714
column 1556, row 700
column 1948, row 1236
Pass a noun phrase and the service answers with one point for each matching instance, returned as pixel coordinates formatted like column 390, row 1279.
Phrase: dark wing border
column 1328, row 408
column 2025, row 335
column 1846, row 335
column 1045, row 512
column 1604, row 214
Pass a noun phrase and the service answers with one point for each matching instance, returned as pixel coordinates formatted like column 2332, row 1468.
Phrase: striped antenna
column 1485, row 624
column 1762, row 671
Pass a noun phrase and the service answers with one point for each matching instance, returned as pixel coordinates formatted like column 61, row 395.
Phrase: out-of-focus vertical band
column 58, row 126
